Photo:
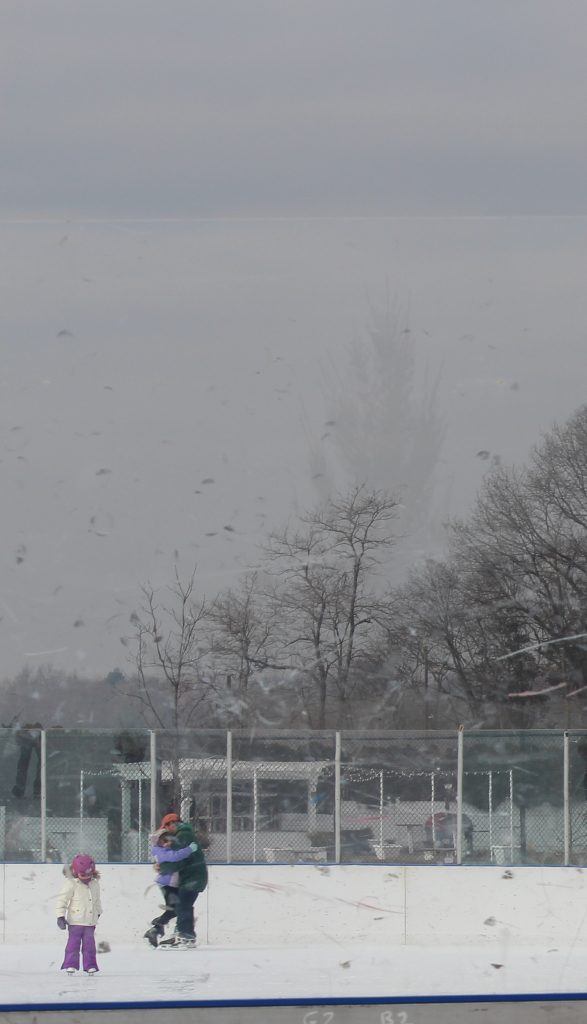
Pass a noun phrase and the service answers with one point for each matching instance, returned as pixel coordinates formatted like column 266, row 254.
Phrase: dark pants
column 185, row 913
column 80, row 935
column 170, row 896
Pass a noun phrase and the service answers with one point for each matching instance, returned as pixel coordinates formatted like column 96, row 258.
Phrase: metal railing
column 315, row 797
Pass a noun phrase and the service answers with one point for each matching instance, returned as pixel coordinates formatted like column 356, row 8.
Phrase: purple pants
column 80, row 935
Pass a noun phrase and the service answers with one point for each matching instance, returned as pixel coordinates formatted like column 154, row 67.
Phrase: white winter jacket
column 79, row 902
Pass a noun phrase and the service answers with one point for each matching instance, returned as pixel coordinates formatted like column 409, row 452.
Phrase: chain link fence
column 514, row 791
column 577, row 804
column 398, row 797
column 292, row 797
column 20, row 793
column 278, row 792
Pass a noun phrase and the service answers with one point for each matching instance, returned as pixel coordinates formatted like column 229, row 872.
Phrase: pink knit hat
column 82, row 864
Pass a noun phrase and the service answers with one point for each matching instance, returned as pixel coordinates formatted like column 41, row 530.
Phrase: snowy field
column 331, row 984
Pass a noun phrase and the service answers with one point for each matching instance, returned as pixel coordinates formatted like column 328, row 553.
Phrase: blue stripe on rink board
column 366, row 1001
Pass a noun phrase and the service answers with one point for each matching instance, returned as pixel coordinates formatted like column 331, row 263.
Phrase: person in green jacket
column 192, row 880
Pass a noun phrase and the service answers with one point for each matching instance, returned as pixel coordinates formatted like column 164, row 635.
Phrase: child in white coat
column 78, row 909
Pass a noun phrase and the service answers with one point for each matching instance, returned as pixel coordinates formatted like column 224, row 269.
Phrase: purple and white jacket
column 165, row 853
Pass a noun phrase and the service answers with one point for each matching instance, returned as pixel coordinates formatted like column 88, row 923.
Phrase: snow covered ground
column 31, row 975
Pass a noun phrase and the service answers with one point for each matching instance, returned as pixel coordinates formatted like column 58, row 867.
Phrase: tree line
column 319, row 635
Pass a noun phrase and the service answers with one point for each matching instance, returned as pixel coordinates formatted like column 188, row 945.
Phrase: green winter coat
column 193, row 873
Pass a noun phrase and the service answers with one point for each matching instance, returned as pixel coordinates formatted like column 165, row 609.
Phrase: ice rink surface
column 335, row 984
column 301, row 945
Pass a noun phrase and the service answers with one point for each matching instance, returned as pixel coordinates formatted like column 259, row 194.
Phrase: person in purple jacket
column 162, row 849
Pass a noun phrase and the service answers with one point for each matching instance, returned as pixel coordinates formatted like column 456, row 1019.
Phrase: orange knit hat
column 169, row 819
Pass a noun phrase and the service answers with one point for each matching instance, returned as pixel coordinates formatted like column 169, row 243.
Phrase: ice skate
column 153, row 934
column 185, row 942
column 70, row 970
column 92, row 970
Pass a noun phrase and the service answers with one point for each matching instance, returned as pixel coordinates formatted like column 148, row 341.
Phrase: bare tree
column 516, row 577
column 527, row 559
column 331, row 611
column 169, row 650
column 559, row 472
column 241, row 629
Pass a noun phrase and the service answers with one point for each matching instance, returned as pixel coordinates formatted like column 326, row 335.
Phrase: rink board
column 568, row 1009
column 365, row 945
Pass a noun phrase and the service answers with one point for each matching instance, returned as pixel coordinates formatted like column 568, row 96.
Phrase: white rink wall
column 280, row 905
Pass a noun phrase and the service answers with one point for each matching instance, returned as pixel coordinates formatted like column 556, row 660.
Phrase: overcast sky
column 202, row 204
column 222, row 107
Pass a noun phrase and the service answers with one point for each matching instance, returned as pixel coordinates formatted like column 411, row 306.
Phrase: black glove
column 61, row 923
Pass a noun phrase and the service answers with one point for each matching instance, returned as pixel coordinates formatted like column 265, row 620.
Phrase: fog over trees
column 382, row 432
column 321, row 634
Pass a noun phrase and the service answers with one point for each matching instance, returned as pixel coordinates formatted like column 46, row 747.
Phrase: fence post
column 381, row 806
column 255, row 813
column 432, row 808
column 153, row 791
column 43, row 753
column 337, row 799
column 512, row 816
column 81, row 809
column 490, row 811
column 229, row 797
column 460, row 738
column 566, row 806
